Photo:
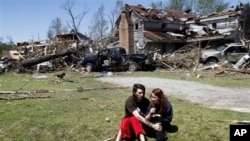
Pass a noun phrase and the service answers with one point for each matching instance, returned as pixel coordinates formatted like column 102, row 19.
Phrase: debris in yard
column 209, row 67
column 236, row 121
column 183, row 58
column 40, row 76
column 104, row 88
column 15, row 92
column 61, row 76
column 107, row 119
column 243, row 60
column 109, row 139
column 26, row 92
column 22, row 98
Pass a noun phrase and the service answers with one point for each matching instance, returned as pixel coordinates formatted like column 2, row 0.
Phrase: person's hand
column 152, row 110
column 157, row 126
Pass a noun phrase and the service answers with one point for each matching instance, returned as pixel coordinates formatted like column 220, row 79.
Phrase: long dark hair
column 162, row 98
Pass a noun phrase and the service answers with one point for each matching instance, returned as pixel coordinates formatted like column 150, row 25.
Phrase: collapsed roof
column 178, row 26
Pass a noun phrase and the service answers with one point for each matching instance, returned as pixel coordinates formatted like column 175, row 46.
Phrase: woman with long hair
column 159, row 111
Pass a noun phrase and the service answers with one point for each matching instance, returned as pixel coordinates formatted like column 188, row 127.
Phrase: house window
column 163, row 25
column 136, row 26
column 214, row 25
column 241, row 26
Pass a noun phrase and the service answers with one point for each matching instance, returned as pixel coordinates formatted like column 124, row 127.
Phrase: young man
column 135, row 109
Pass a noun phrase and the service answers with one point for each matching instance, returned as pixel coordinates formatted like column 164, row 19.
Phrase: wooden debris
column 109, row 139
column 26, row 92
column 239, row 71
column 22, row 98
column 183, row 58
column 235, row 121
column 103, row 88
column 15, row 92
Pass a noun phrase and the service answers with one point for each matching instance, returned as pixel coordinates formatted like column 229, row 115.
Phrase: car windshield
column 221, row 47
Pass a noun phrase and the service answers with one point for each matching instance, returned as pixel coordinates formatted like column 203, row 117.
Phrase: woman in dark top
column 131, row 127
column 159, row 111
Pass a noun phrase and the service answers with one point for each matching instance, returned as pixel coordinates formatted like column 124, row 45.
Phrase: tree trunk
column 35, row 61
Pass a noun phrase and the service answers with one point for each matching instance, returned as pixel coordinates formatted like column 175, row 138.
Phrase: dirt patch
column 236, row 99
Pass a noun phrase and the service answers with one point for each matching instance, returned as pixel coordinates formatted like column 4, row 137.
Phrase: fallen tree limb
column 22, row 98
column 25, row 92
column 239, row 71
column 15, row 92
column 104, row 88
column 235, row 121
column 109, row 139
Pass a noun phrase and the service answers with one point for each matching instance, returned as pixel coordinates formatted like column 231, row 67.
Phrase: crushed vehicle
column 2, row 67
column 231, row 52
column 45, row 67
column 244, row 62
column 115, row 58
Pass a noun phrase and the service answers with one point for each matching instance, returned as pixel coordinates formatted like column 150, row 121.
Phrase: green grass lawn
column 76, row 110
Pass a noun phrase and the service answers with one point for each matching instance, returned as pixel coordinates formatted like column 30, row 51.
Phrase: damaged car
column 231, row 52
column 2, row 67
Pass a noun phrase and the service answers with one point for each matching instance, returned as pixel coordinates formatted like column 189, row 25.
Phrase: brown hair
column 138, row 86
column 162, row 98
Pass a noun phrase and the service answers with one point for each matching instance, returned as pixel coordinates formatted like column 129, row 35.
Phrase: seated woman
column 159, row 111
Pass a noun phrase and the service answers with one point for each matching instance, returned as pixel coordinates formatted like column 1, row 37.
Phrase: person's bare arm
column 156, row 126
column 119, row 136
column 150, row 114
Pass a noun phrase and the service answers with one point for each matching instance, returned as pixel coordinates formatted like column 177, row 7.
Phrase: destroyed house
column 72, row 37
column 143, row 29
column 71, row 40
column 61, row 43
column 231, row 24
column 27, row 48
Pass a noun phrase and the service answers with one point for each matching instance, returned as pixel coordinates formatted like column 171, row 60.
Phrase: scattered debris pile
column 183, row 58
column 188, row 57
column 59, row 54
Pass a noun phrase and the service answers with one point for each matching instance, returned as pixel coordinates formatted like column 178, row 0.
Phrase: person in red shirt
column 136, row 105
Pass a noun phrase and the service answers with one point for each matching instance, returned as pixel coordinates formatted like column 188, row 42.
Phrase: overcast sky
column 24, row 20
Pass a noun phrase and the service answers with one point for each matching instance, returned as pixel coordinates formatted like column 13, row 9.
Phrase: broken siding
column 138, row 41
column 163, row 26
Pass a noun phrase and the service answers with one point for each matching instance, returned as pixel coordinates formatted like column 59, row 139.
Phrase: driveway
column 236, row 99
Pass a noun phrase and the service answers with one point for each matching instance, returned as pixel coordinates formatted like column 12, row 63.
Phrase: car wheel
column 89, row 67
column 211, row 61
column 132, row 66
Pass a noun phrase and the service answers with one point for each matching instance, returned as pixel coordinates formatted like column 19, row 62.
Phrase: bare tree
column 10, row 40
column 114, row 14
column 210, row 6
column 99, row 27
column 176, row 5
column 205, row 7
column 75, row 19
column 196, row 6
column 159, row 5
column 56, row 27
